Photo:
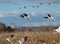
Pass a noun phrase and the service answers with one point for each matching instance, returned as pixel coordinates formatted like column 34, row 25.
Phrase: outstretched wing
column 49, row 15
column 45, row 17
column 22, row 16
column 25, row 14
column 12, row 36
column 53, row 18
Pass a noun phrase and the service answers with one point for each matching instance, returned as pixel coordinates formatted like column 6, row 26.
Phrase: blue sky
column 10, row 12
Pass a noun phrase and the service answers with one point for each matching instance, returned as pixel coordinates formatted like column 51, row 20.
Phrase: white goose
column 58, row 29
column 49, row 17
column 22, row 40
column 9, row 39
column 25, row 16
column 14, row 26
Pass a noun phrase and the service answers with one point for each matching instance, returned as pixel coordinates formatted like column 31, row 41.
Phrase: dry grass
column 33, row 37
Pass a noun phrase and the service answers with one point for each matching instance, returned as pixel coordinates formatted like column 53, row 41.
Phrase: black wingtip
column 25, row 14
column 48, row 15
column 12, row 36
column 22, row 16
column 45, row 17
column 26, row 38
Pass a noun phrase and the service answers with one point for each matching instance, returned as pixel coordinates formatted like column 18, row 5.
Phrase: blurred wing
column 49, row 15
column 40, row 3
column 37, row 6
column 49, row 3
column 55, row 2
column 25, row 15
column 52, row 18
column 33, row 6
column 8, row 39
column 24, row 6
column 19, row 8
column 45, row 17
column 22, row 16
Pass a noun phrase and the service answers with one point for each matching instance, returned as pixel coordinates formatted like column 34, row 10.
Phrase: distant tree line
column 4, row 28
column 13, row 28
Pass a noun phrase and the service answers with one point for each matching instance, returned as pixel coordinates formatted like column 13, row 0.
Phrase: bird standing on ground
column 50, row 17
column 22, row 41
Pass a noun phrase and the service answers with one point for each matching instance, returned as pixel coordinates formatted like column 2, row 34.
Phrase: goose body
column 25, row 16
column 49, row 17
column 22, row 40
column 9, row 39
column 58, row 29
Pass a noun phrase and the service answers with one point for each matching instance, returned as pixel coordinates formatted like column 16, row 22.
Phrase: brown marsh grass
column 33, row 37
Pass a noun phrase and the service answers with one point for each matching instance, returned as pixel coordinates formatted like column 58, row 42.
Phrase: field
column 33, row 37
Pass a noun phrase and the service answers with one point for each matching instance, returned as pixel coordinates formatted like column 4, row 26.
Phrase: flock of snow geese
column 38, row 5
column 26, row 16
column 22, row 40
column 49, row 16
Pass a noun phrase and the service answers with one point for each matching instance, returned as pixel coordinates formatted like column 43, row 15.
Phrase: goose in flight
column 49, row 17
column 52, row 2
column 25, row 16
column 35, row 6
column 22, row 7
column 40, row 3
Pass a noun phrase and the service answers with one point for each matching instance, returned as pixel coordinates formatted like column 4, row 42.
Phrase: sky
column 10, row 12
